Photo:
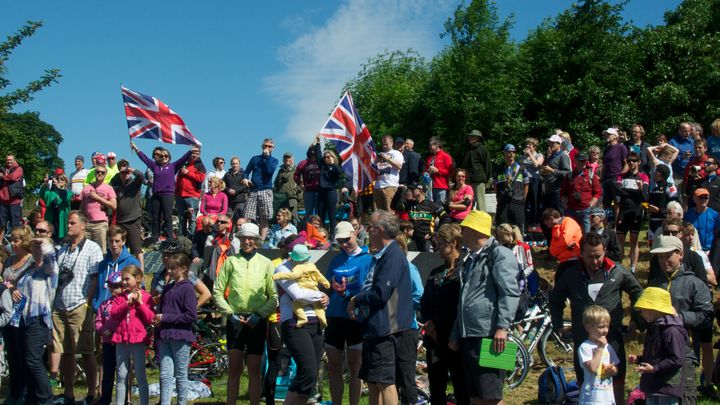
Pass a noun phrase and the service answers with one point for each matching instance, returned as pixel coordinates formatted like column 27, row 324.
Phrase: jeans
column 188, row 208
column 582, row 217
column 35, row 335
column 109, row 365
column 174, row 360
column 310, row 199
column 13, row 347
column 161, row 207
column 439, row 195
column 123, row 353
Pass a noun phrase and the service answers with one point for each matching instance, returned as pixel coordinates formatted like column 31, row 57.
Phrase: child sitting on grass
column 666, row 339
column 597, row 358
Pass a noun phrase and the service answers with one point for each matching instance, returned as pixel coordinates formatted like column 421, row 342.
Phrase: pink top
column 93, row 209
column 104, row 324
column 465, row 190
column 132, row 319
column 214, row 204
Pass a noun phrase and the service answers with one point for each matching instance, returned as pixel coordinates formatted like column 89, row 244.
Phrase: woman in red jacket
column 439, row 166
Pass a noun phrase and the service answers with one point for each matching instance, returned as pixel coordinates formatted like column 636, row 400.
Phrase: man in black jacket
column 411, row 168
column 477, row 163
column 127, row 185
column 595, row 280
column 236, row 191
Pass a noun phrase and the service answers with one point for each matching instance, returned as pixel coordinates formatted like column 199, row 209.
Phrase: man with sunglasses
column 127, row 185
column 258, row 177
column 346, row 273
column 692, row 260
column 95, row 201
column 711, row 182
column 705, row 219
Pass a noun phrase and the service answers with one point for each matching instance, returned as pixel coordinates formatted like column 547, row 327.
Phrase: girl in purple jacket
column 175, row 316
column 163, row 188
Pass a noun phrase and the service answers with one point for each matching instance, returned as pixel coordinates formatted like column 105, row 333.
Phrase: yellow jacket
column 251, row 287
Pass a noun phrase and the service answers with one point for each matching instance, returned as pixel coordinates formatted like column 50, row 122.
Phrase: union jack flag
column 148, row 117
column 351, row 138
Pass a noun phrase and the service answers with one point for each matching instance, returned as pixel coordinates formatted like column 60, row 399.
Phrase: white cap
column 343, row 230
column 249, row 229
column 555, row 138
column 611, row 131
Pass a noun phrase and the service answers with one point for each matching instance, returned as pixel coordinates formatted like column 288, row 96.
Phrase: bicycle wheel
column 514, row 378
column 209, row 359
column 554, row 351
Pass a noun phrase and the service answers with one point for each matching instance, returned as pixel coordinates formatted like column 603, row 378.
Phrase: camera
column 65, row 276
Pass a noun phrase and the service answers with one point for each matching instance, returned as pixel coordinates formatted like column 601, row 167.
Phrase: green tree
column 389, row 92
column 34, row 143
column 581, row 71
column 681, row 72
column 474, row 81
column 24, row 94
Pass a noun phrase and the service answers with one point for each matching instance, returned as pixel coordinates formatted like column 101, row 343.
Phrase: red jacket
column 10, row 177
column 580, row 188
column 444, row 163
column 695, row 161
column 190, row 184
column 132, row 319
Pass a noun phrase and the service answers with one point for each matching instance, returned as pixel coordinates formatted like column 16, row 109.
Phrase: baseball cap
column 59, row 171
column 555, row 138
column 343, row 230
column 701, row 192
column 611, row 131
column 300, row 253
column 111, row 155
column 418, row 186
column 475, row 132
column 666, row 244
column 509, row 148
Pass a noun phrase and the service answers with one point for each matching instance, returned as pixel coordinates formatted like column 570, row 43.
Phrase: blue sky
column 236, row 72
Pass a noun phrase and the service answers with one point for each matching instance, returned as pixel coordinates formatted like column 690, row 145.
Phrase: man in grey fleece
column 556, row 167
column 489, row 296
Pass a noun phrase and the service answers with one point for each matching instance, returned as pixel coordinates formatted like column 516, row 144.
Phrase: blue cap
column 509, row 148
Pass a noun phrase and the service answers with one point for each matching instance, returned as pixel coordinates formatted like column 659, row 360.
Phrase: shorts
column 704, row 335
column 378, row 359
column 341, row 332
column 259, row 205
column 74, row 331
column 482, row 382
column 248, row 340
column 134, row 235
column 629, row 220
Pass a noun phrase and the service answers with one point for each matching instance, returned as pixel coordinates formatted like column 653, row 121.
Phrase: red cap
column 59, row 171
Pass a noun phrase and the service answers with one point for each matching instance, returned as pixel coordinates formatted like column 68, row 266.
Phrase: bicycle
column 208, row 354
column 523, row 361
column 536, row 332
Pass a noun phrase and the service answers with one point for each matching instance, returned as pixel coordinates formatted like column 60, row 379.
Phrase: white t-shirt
column 391, row 179
column 77, row 181
column 595, row 390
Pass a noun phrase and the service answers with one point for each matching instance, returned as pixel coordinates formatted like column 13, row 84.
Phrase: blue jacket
column 260, row 171
column 107, row 267
column 707, row 224
column 387, row 304
column 683, row 145
column 357, row 267
column 417, row 291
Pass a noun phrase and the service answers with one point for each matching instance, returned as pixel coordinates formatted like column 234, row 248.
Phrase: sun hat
column 666, row 243
column 300, row 253
column 478, row 221
column 343, row 230
column 249, row 230
column 657, row 299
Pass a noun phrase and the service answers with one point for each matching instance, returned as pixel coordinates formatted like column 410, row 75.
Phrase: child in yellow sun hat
column 664, row 350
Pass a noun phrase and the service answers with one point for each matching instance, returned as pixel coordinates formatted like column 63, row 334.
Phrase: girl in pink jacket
column 133, row 309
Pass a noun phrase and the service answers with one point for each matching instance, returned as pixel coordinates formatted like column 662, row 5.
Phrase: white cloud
column 319, row 62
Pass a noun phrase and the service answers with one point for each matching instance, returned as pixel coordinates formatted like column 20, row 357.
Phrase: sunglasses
column 342, row 241
column 633, row 161
column 100, row 172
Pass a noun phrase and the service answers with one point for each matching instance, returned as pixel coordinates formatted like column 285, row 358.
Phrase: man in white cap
column 244, row 291
column 489, row 296
column 346, row 273
column 111, row 166
column 614, row 164
column 557, row 166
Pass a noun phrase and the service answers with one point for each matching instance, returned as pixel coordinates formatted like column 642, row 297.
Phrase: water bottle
column 17, row 311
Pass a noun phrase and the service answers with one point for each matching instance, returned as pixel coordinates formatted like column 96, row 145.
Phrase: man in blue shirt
column 705, row 219
column 259, row 178
column 685, row 144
